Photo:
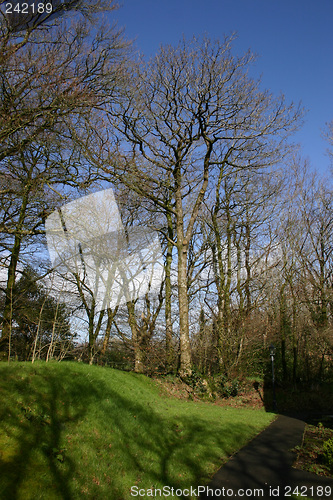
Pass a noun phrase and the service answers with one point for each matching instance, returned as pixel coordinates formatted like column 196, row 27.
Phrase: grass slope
column 72, row 431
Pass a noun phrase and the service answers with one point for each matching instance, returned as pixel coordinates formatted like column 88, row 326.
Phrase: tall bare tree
column 187, row 111
column 47, row 74
column 54, row 80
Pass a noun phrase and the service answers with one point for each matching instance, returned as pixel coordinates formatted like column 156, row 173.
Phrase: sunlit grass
column 73, row 431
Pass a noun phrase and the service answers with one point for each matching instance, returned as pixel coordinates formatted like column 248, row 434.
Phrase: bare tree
column 54, row 80
column 239, row 220
column 297, row 290
column 59, row 72
column 189, row 110
column 26, row 17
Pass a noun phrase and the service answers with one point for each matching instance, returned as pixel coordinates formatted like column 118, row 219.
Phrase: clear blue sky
column 293, row 40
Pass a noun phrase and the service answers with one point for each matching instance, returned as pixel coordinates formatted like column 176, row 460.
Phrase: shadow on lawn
column 173, row 458
column 38, row 428
column 35, row 427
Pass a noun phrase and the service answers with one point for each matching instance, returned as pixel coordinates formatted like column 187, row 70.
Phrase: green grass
column 72, row 431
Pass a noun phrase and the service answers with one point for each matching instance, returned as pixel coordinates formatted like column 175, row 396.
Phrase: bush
column 196, row 381
column 328, row 453
column 226, row 388
column 220, row 385
column 230, row 389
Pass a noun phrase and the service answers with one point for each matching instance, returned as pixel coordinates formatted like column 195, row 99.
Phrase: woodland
column 195, row 149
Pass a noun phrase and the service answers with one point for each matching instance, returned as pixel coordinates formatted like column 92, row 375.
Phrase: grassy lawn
column 72, row 431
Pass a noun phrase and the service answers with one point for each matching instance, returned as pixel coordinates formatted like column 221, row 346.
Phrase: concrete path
column 263, row 468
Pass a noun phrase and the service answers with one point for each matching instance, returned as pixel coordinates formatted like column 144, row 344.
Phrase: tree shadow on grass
column 171, row 443
column 35, row 409
column 156, row 449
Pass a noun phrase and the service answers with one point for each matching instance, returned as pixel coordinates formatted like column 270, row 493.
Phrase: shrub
column 197, row 382
column 226, row 388
column 328, row 453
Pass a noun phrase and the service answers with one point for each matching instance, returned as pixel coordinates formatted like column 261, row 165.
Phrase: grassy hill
column 72, row 431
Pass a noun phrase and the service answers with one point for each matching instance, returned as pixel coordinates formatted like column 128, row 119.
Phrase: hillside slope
column 72, row 431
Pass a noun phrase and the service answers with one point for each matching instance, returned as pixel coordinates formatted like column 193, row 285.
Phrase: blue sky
column 292, row 38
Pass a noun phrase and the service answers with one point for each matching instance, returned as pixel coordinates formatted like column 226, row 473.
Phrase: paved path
column 265, row 465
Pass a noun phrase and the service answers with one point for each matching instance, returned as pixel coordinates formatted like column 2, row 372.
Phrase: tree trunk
column 283, row 331
column 111, row 314
column 94, row 332
column 247, row 289
column 15, row 252
column 91, row 340
column 184, row 335
column 169, row 354
column 294, row 364
column 51, row 349
column 139, row 354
